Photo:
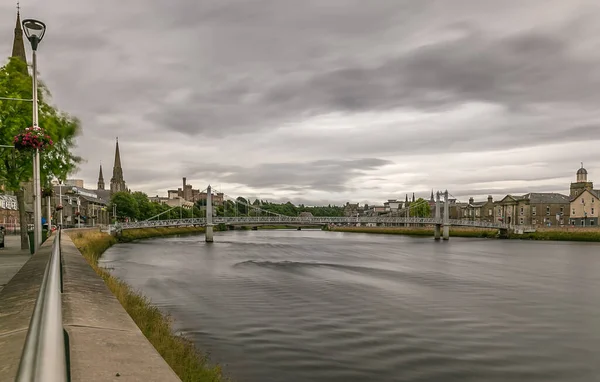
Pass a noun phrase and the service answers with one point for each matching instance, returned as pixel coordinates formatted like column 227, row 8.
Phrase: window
column 582, row 201
column 522, row 211
column 592, row 210
column 547, row 210
column 573, row 213
column 562, row 210
column 592, row 200
column 591, row 222
column 521, row 221
column 533, row 210
column 583, row 222
column 476, row 212
column 490, row 212
column 534, row 222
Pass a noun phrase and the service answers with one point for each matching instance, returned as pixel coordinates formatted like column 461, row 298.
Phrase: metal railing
column 44, row 354
column 317, row 220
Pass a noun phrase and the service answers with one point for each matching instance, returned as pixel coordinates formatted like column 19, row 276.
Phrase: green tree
column 17, row 167
column 242, row 205
column 420, row 208
column 126, row 205
column 145, row 209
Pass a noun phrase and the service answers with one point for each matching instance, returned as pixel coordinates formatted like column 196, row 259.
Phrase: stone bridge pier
column 438, row 226
column 442, row 225
column 208, row 232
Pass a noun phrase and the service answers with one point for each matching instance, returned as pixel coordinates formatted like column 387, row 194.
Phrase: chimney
column 490, row 199
column 184, row 182
column 471, row 200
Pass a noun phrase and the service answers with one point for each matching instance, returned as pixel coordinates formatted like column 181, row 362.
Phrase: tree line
column 137, row 206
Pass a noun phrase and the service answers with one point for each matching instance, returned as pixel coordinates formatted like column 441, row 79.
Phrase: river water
column 300, row 306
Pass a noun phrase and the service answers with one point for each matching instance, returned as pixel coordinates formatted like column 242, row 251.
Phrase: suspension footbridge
column 262, row 217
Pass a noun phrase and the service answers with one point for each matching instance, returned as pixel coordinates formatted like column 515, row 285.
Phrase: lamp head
column 34, row 30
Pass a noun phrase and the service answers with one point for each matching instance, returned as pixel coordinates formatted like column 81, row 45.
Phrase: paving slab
column 12, row 258
column 17, row 300
column 105, row 344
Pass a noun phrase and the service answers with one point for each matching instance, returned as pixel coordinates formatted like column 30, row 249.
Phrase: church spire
column 117, row 183
column 18, row 49
column 100, row 179
column 117, row 155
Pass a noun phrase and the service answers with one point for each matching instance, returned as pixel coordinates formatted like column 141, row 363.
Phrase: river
column 310, row 305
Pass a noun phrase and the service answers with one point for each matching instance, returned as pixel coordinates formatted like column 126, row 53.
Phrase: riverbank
column 418, row 231
column 181, row 354
column 554, row 234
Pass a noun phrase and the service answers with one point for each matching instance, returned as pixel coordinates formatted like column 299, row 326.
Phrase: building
column 535, row 208
column 74, row 183
column 117, row 183
column 584, row 201
column 392, row 205
column 79, row 205
column 479, row 211
column 351, row 209
column 176, row 202
column 18, row 49
column 190, row 194
column 9, row 213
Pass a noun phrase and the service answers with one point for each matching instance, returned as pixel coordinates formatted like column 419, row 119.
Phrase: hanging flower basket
column 47, row 193
column 59, row 207
column 32, row 138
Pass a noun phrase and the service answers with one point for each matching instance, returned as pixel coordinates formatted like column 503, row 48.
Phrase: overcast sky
column 321, row 101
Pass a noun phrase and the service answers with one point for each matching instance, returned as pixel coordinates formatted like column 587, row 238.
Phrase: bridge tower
column 209, row 216
column 438, row 218
column 446, row 216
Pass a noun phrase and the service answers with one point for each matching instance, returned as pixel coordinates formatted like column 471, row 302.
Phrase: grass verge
column 556, row 234
column 560, row 235
column 188, row 362
column 419, row 231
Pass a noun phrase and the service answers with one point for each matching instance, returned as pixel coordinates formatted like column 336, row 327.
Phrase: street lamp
column 35, row 30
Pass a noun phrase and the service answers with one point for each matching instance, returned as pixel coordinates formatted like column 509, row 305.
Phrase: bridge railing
column 44, row 353
column 312, row 220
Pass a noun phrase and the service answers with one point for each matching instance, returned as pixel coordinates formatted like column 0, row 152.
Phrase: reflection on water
column 324, row 306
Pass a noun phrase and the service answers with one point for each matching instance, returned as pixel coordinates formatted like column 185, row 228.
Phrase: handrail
column 44, row 353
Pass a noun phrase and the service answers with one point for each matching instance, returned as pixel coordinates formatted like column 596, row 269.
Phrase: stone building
column 9, row 213
column 79, row 205
column 190, row 194
column 480, row 211
column 584, row 201
column 350, row 209
column 535, row 208
column 117, row 183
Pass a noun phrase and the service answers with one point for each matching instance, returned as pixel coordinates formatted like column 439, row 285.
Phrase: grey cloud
column 250, row 71
column 320, row 175
column 531, row 67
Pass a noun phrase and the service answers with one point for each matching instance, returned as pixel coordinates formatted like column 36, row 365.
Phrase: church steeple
column 100, row 179
column 117, row 156
column 117, row 183
column 18, row 49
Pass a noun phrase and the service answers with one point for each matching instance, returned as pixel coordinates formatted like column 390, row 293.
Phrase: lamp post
column 60, row 201
column 35, row 30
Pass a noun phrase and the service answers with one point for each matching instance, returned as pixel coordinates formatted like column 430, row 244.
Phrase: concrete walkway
column 12, row 258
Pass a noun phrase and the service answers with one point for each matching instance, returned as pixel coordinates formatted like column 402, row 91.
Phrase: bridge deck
column 282, row 220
